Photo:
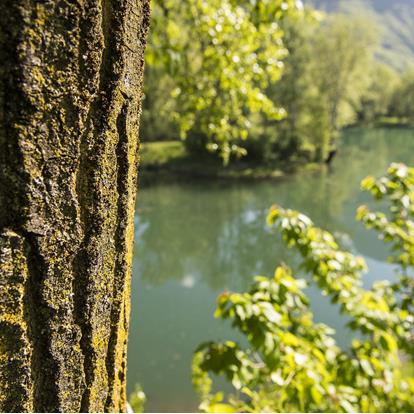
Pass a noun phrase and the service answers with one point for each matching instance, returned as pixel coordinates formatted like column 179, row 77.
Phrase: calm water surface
column 196, row 239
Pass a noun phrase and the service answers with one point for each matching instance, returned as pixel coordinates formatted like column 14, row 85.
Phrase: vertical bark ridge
column 88, row 269
column 117, row 342
column 127, row 154
column 101, row 226
column 45, row 387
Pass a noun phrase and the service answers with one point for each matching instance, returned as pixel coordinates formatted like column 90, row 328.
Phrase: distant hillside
column 378, row 5
column 395, row 19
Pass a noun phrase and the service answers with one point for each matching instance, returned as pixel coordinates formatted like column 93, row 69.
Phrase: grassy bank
column 393, row 122
column 167, row 159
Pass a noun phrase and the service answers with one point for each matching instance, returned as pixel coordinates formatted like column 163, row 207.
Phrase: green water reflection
column 196, row 239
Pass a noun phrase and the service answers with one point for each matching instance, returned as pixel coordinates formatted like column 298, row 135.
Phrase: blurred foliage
column 344, row 52
column 304, row 133
column 137, row 399
column 220, row 56
column 321, row 87
column 287, row 78
column 293, row 364
column 202, row 85
column 162, row 152
column 402, row 101
column 376, row 99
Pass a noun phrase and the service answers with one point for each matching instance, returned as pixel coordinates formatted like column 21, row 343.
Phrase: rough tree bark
column 71, row 80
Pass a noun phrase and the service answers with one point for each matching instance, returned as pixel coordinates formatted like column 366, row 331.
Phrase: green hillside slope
column 395, row 18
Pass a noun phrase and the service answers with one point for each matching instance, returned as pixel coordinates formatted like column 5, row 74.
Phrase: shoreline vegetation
column 170, row 160
column 164, row 160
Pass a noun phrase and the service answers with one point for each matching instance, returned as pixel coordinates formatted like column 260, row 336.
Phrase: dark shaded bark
column 70, row 92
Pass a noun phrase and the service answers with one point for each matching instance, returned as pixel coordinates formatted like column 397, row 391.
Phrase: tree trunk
column 71, row 83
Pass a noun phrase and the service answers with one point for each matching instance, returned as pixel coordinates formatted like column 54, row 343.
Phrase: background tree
column 71, row 80
column 402, row 101
column 376, row 99
column 343, row 49
column 304, row 133
column 325, row 77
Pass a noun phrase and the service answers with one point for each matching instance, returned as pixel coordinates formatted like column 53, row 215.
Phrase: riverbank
column 390, row 122
column 169, row 159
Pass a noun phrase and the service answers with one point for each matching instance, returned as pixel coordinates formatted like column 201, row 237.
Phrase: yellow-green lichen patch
column 15, row 348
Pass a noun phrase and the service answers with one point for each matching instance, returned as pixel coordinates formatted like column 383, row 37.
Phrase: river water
column 194, row 240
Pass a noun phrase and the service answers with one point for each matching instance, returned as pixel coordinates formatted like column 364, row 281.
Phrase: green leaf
column 221, row 408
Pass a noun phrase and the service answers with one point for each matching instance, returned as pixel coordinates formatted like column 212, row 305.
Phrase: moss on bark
column 70, row 91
